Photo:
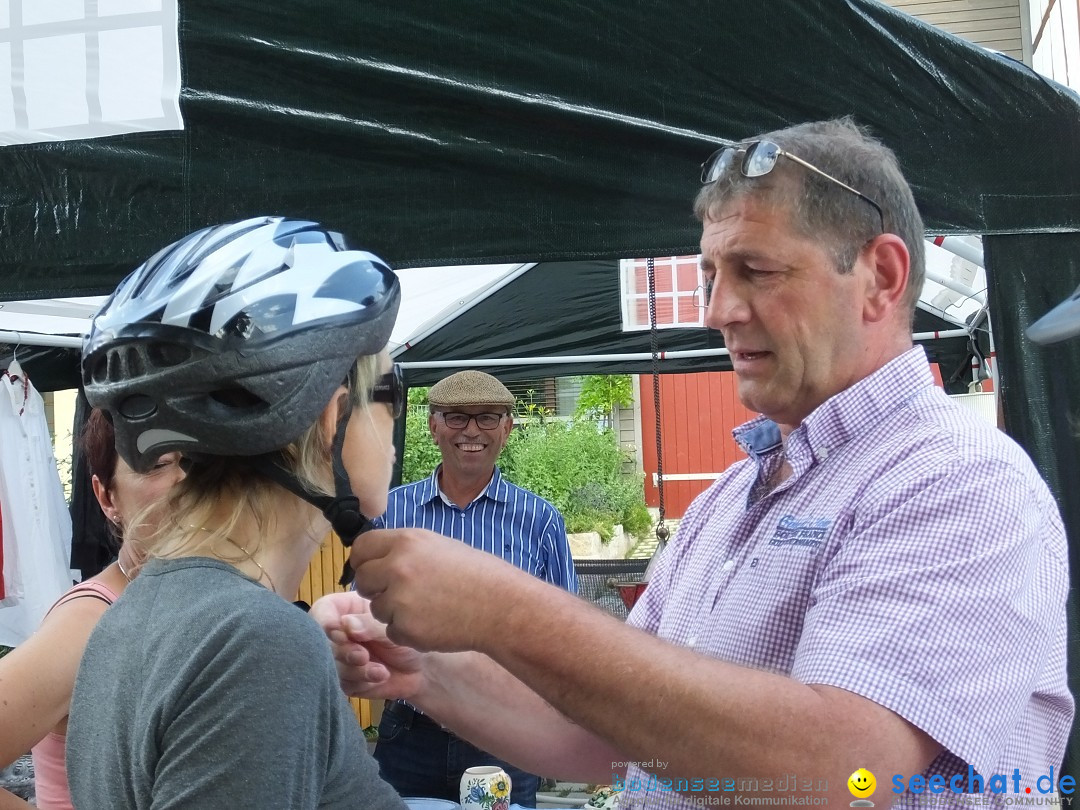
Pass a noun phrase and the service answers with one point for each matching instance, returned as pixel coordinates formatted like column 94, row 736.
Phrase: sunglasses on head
column 759, row 158
column 390, row 389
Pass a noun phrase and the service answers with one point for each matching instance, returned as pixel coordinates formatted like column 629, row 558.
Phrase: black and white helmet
column 1062, row 322
column 231, row 341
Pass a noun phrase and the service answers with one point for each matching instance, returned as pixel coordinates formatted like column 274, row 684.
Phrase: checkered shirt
column 914, row 557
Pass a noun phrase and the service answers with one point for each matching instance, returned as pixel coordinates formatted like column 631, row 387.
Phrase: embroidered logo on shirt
column 800, row 532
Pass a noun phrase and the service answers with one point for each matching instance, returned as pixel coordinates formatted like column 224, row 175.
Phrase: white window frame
column 629, row 296
column 110, row 67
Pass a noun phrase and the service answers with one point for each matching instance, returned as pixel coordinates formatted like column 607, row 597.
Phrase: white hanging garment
column 3, row 587
column 36, row 523
column 13, row 587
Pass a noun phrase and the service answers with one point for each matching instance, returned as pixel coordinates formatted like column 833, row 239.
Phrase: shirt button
column 823, row 453
column 728, row 565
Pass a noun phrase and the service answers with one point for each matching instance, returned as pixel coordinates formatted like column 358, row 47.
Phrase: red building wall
column 698, row 412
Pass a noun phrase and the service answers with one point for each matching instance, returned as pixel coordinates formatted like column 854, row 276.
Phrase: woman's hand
column 369, row 664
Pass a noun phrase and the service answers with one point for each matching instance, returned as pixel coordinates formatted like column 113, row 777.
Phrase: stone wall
column 587, row 545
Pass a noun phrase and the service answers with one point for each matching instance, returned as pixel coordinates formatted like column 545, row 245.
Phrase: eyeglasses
column 460, row 421
column 702, row 293
column 391, row 389
column 759, row 158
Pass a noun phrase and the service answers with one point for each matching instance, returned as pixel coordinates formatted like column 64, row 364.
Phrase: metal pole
column 39, row 339
column 619, row 358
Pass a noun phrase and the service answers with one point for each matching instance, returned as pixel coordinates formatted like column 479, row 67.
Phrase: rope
column 661, row 529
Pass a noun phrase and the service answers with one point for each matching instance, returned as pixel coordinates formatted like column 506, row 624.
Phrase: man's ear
column 505, row 428
column 328, row 419
column 431, row 425
column 890, row 268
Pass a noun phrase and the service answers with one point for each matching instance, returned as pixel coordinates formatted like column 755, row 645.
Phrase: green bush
column 421, row 456
column 637, row 521
column 578, row 467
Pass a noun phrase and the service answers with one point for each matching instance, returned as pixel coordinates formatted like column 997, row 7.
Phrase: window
column 679, row 293
column 558, row 396
column 77, row 69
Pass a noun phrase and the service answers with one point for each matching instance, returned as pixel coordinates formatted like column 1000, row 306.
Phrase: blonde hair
column 230, row 481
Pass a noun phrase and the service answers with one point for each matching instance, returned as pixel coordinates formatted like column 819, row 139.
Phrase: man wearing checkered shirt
column 881, row 584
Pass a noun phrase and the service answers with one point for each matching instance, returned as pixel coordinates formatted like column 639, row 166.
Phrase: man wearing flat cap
column 467, row 498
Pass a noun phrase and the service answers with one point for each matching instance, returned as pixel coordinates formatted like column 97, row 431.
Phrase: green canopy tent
column 522, row 131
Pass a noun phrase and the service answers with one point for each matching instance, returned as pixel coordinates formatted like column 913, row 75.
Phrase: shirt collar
column 497, row 489
column 758, row 436
column 845, row 415
column 428, row 490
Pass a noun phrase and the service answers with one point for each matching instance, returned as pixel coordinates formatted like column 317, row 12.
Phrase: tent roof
column 430, row 295
column 573, row 310
column 461, row 315
column 428, row 132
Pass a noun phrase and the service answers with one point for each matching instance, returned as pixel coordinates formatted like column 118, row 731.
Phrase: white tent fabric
column 433, row 296
column 430, row 297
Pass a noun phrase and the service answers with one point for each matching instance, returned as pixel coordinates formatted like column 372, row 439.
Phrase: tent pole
column 955, row 286
column 621, row 358
column 38, row 339
column 958, row 247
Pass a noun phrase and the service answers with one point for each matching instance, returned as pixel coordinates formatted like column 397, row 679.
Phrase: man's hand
column 432, row 592
column 369, row 665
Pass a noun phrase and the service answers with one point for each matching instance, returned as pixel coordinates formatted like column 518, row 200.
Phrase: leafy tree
column 601, row 393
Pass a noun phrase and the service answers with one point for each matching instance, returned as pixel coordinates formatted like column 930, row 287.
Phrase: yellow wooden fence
column 322, row 578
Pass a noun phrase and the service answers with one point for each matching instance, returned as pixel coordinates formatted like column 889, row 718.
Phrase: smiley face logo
column 861, row 783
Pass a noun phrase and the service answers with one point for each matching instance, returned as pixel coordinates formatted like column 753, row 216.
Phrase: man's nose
column 726, row 306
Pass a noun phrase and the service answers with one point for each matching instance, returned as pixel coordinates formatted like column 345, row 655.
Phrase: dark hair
column 98, row 445
column 842, row 222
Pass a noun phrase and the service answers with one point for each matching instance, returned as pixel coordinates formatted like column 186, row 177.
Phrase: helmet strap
column 343, row 509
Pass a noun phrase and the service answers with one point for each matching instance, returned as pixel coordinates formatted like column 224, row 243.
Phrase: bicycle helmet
column 1062, row 322
column 230, row 341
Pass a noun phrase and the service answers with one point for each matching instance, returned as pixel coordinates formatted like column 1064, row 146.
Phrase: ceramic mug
column 485, row 787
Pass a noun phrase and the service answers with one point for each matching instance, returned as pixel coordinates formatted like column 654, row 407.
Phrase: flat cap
column 470, row 388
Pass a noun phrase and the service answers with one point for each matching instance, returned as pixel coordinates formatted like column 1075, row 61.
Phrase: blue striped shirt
column 504, row 520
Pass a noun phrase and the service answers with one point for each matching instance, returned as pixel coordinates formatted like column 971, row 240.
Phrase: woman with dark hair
column 122, row 493
column 37, row 678
column 258, row 350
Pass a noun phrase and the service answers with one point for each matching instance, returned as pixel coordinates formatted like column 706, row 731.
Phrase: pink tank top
column 50, row 776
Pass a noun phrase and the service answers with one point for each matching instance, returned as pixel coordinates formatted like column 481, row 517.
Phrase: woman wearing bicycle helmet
column 256, row 350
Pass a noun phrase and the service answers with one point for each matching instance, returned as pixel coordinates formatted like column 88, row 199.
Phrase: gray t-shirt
column 202, row 689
